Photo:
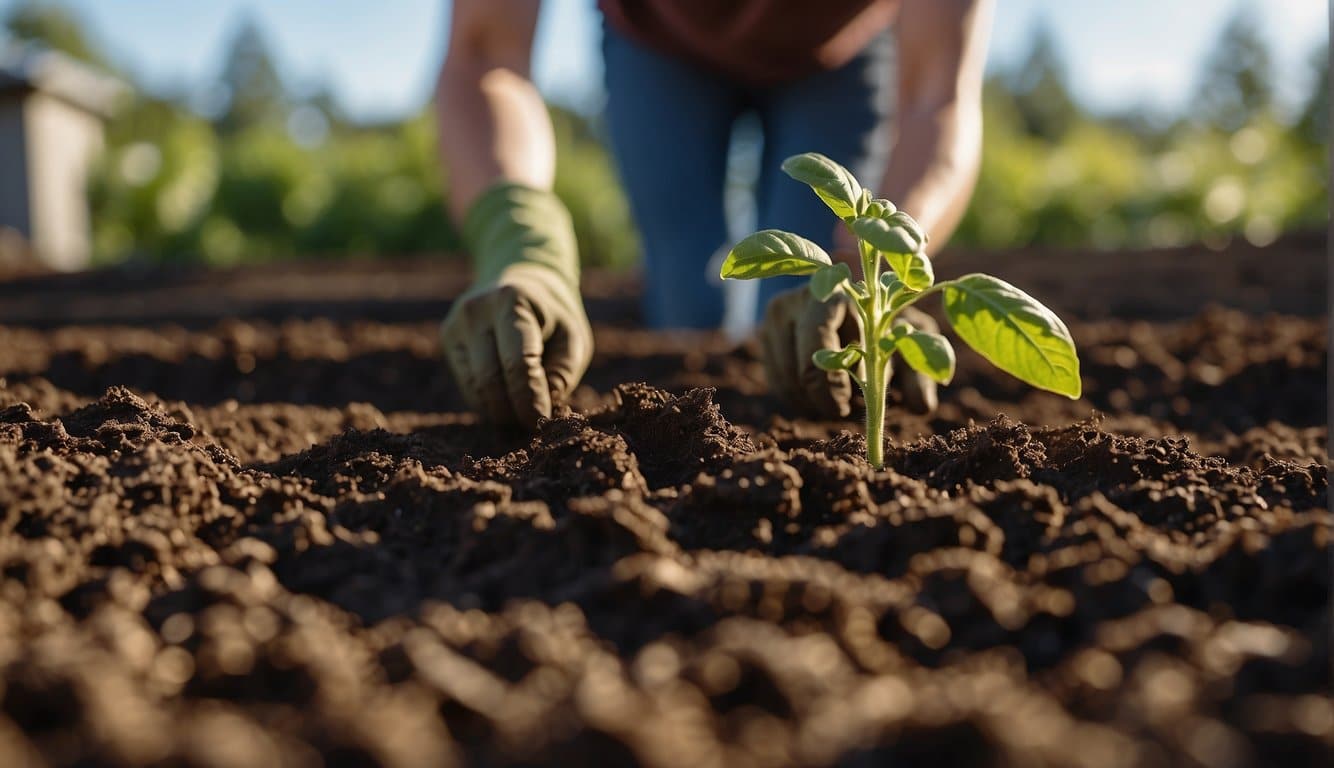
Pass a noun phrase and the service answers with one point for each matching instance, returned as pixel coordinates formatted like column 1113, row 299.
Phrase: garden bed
column 247, row 521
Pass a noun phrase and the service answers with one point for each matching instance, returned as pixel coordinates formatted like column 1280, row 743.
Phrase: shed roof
column 27, row 67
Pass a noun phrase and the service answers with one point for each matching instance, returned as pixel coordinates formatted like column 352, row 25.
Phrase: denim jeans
column 670, row 124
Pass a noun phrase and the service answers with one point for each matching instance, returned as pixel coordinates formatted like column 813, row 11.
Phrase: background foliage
column 271, row 174
column 1053, row 174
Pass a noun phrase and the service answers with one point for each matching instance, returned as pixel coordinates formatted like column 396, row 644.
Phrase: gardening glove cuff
column 518, row 340
column 512, row 224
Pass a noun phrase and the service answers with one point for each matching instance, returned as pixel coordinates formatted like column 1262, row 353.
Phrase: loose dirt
column 245, row 521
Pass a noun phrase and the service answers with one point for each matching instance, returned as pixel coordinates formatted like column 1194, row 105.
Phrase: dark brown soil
column 246, row 522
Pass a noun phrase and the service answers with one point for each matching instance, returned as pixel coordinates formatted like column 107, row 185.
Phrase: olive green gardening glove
column 518, row 340
column 795, row 325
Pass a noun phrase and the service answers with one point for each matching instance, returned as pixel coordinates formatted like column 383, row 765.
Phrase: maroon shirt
column 754, row 41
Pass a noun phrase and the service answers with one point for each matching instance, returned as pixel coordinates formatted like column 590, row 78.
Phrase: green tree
column 1039, row 88
column 1237, row 84
column 255, row 92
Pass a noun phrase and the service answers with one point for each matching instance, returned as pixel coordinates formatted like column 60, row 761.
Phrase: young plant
column 1006, row 326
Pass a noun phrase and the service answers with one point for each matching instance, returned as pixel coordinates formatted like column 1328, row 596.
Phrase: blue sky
column 380, row 58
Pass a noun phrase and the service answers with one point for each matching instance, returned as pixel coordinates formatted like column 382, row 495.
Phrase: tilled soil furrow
column 646, row 575
column 282, row 541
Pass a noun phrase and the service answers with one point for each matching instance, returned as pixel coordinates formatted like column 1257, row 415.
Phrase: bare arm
column 942, row 48
column 492, row 121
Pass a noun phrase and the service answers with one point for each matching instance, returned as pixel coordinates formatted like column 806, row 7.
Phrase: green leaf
column 882, row 235
column 914, row 269
column 902, row 250
column 844, row 359
column 1014, row 331
column 864, row 202
column 877, row 208
column 899, row 294
column 826, row 281
column 902, row 219
column 923, row 351
column 835, row 185
column 773, row 252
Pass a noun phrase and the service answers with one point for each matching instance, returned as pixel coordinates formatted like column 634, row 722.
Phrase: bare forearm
column 492, row 121
column 934, row 167
column 938, row 129
column 493, row 126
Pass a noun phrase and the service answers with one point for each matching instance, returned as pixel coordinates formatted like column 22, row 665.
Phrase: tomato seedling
column 1009, row 328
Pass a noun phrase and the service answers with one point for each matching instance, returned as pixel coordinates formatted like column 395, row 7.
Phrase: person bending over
column 890, row 89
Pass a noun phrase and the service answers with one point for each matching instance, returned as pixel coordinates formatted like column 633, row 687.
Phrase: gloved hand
column 518, row 340
column 795, row 325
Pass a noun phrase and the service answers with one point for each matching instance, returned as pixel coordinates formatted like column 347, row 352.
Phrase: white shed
column 52, row 114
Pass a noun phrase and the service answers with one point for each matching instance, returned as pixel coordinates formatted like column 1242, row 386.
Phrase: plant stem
column 874, row 392
column 873, row 359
